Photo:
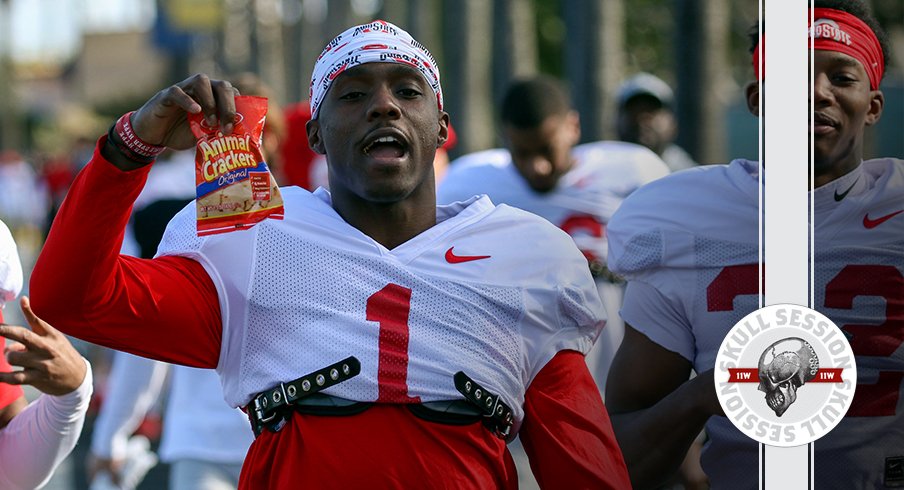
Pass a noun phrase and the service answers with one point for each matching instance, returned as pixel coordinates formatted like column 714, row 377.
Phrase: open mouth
column 386, row 148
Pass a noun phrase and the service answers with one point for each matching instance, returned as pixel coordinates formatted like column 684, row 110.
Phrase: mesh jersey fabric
column 677, row 236
column 581, row 204
column 859, row 285
column 604, row 174
column 168, row 309
column 315, row 290
column 698, row 228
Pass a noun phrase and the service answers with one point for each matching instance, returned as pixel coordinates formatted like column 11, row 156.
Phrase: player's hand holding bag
column 235, row 189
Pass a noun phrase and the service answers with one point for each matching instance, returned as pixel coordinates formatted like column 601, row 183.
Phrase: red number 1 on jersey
column 390, row 307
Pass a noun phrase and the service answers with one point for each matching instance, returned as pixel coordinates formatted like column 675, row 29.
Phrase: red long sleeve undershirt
column 167, row 309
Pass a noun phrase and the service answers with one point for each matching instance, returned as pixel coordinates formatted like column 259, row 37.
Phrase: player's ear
column 443, row 133
column 752, row 91
column 314, row 139
column 876, row 104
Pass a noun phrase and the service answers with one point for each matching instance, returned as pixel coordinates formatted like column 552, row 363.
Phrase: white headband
column 376, row 42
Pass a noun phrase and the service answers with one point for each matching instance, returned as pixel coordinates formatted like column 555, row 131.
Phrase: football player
column 576, row 187
column 688, row 245
column 35, row 438
column 375, row 338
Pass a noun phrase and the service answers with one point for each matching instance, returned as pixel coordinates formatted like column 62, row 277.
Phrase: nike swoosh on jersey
column 872, row 223
column 458, row 259
column 839, row 197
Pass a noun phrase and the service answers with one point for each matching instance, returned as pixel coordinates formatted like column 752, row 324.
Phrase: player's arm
column 40, row 436
column 11, row 410
column 12, row 398
column 656, row 411
column 566, row 432
column 165, row 308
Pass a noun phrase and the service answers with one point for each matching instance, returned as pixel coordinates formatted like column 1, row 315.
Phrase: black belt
column 498, row 417
column 270, row 409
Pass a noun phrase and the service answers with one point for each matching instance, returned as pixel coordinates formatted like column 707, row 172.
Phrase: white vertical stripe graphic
column 785, row 117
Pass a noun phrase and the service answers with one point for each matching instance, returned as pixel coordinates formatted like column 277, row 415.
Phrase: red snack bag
column 235, row 189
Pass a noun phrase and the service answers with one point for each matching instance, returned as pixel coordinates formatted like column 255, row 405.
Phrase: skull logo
column 784, row 367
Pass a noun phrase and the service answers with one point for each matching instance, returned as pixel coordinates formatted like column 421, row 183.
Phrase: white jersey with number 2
column 688, row 245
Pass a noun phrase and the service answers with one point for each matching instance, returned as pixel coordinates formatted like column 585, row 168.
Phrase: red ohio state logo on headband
column 835, row 30
column 828, row 29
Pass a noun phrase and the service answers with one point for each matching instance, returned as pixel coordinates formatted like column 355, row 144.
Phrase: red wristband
column 132, row 142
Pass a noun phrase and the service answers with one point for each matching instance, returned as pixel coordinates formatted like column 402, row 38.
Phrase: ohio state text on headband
column 834, row 30
column 376, row 42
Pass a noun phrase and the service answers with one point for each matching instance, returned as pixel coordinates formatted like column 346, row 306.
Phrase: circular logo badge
column 785, row 375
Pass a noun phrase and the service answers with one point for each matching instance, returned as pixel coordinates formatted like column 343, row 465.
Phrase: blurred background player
column 576, row 187
column 646, row 117
column 204, row 440
column 701, row 228
column 277, row 134
column 296, row 154
column 543, row 170
column 35, row 438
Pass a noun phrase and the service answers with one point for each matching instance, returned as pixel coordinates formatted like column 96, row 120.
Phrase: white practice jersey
column 581, row 204
column 691, row 238
column 583, row 201
column 223, row 437
column 197, row 424
column 688, row 245
column 489, row 290
column 860, row 286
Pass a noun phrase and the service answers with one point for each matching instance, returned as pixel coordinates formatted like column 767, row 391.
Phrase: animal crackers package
column 235, row 189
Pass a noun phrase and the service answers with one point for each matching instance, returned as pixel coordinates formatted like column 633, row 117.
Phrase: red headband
column 760, row 48
column 834, row 30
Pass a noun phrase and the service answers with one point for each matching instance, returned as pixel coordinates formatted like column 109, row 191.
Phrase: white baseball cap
column 645, row 84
